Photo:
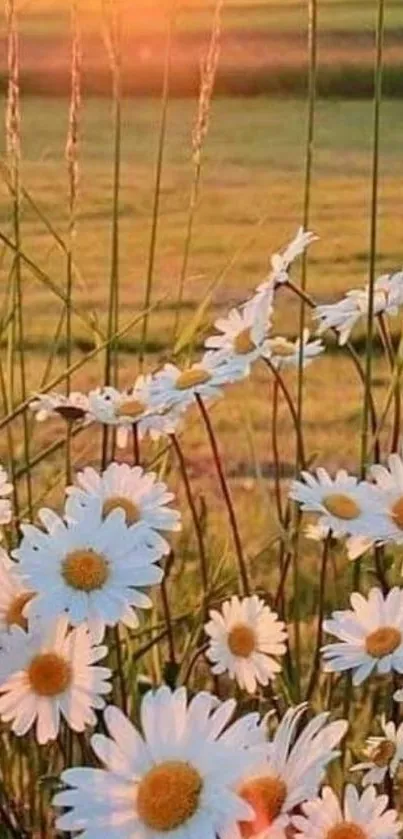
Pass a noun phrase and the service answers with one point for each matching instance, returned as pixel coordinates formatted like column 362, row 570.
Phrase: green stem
column 312, row 50
column 157, row 186
column 372, row 254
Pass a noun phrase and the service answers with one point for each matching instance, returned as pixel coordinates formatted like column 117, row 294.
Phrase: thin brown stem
column 276, row 455
column 321, row 611
column 227, row 497
column 194, row 514
column 387, row 342
column 136, row 445
column 293, row 412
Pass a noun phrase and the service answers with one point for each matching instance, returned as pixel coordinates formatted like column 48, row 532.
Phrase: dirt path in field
column 251, row 61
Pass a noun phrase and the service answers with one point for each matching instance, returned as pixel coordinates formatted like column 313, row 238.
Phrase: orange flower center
column 85, row 570
column 383, row 753
column 241, row 640
column 397, row 513
column 168, row 795
column 243, row 343
column 346, row 830
column 132, row 408
column 132, row 511
column 266, row 796
column 341, row 506
column 281, row 347
column 191, row 378
column 383, row 641
column 49, row 674
column 14, row 616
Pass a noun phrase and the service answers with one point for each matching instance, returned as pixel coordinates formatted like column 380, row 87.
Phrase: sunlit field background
column 250, row 202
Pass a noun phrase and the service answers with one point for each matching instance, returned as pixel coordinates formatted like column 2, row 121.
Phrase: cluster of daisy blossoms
column 72, row 578
column 195, row 766
column 156, row 403
column 365, row 512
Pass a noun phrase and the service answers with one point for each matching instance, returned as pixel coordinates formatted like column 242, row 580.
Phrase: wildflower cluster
column 197, row 763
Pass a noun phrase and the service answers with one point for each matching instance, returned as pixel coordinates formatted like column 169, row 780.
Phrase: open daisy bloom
column 383, row 754
column 284, row 353
column 290, row 774
column 389, row 483
column 244, row 332
column 73, row 408
column 50, row 672
column 176, row 388
column 14, row 596
column 361, row 817
column 91, row 569
column 6, row 489
column 139, row 494
column 175, row 779
column 282, row 262
column 134, row 406
column 343, row 316
column 346, row 506
column 245, row 636
column 371, row 635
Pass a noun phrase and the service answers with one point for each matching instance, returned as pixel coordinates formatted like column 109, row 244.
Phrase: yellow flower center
column 132, row 408
column 241, row 640
column 397, row 512
column 168, row 795
column 191, row 378
column 281, row 347
column 346, row 830
column 85, row 570
column 49, row 674
column 14, row 616
column 266, row 796
column 119, row 502
column 341, row 506
column 243, row 343
column 383, row 641
column 383, row 753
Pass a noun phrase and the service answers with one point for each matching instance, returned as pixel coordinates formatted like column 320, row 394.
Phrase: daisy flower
column 140, row 495
column 244, row 332
column 283, row 353
column 281, row 262
column 134, row 406
column 49, row 672
column 383, row 754
column 14, row 595
column 74, row 407
column 6, row 488
column 346, row 506
column 176, row 388
column 245, row 636
column 360, row 817
column 91, row 569
column 175, row 778
column 389, row 483
column 370, row 635
column 291, row 773
column 343, row 316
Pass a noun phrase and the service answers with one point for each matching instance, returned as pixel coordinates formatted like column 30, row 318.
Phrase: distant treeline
column 345, row 82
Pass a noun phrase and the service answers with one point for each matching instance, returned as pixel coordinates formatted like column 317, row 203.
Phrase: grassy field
column 251, row 203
